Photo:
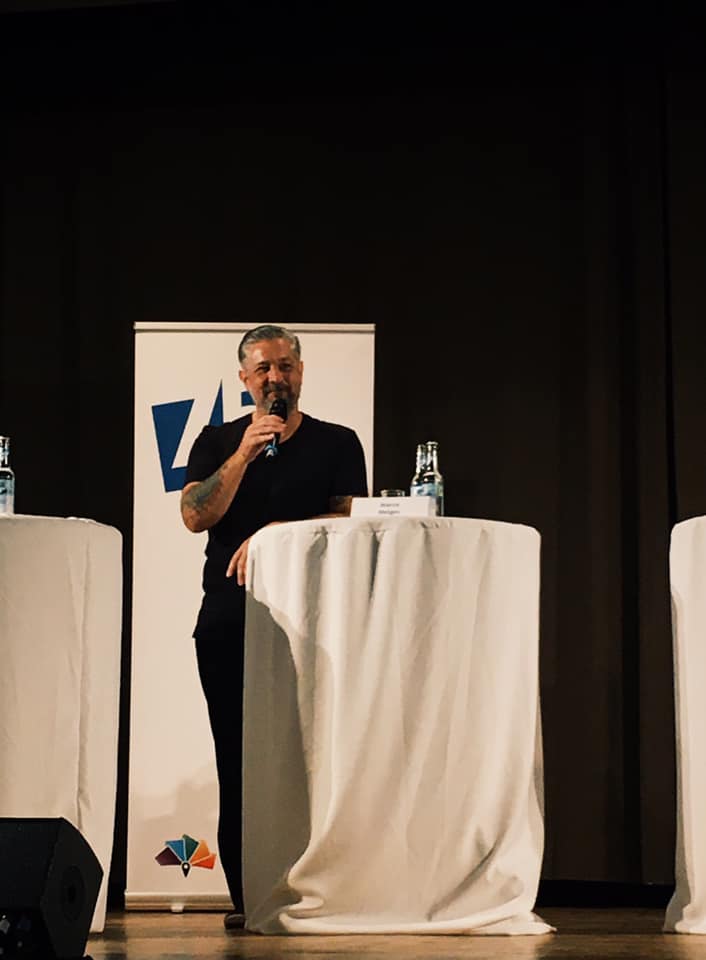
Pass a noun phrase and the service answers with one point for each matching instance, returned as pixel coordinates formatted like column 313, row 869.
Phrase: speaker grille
column 49, row 883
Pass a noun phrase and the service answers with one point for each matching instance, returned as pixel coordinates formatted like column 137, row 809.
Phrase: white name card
column 393, row 507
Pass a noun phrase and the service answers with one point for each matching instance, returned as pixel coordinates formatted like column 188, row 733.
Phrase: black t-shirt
column 319, row 461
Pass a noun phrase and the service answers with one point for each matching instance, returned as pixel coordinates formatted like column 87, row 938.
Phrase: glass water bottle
column 416, row 483
column 427, row 480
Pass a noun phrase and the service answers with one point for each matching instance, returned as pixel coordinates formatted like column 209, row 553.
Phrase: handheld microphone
column 279, row 409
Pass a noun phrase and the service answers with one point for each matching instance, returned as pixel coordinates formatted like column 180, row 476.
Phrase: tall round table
column 686, row 912
column 60, row 619
column 392, row 750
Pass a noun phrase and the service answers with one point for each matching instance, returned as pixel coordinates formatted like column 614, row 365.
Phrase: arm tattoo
column 197, row 498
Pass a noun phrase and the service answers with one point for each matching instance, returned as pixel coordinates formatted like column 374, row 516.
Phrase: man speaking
column 274, row 465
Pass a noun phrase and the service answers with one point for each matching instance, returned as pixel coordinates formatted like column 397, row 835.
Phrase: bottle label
column 435, row 490
column 424, row 490
column 7, row 496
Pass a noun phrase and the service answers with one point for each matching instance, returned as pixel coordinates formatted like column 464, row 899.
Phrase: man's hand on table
column 239, row 562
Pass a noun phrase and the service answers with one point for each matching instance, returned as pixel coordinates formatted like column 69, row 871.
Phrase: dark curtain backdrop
column 515, row 199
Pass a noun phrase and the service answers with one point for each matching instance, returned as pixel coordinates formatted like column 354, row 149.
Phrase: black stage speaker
column 49, row 881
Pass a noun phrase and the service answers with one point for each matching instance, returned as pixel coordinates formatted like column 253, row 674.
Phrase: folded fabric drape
column 686, row 911
column 393, row 765
column 60, row 619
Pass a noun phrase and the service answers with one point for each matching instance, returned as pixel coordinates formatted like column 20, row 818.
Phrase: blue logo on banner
column 169, row 424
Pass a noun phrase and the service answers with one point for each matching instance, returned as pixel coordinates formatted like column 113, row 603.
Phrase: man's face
column 271, row 369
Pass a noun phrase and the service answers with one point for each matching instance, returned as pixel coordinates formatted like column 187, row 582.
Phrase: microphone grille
column 279, row 407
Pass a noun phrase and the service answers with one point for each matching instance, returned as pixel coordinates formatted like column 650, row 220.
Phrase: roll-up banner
column 186, row 376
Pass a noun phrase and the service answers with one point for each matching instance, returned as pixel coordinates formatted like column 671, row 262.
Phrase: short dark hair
column 268, row 331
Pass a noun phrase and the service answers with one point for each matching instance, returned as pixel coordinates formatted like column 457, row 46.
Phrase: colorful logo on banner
column 170, row 421
column 186, row 853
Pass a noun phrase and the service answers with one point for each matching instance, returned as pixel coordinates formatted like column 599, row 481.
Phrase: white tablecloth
column 686, row 912
column 60, row 617
column 393, row 777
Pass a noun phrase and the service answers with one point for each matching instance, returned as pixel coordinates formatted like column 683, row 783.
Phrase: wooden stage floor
column 588, row 934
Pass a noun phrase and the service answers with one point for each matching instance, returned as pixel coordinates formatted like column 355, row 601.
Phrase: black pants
column 219, row 652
